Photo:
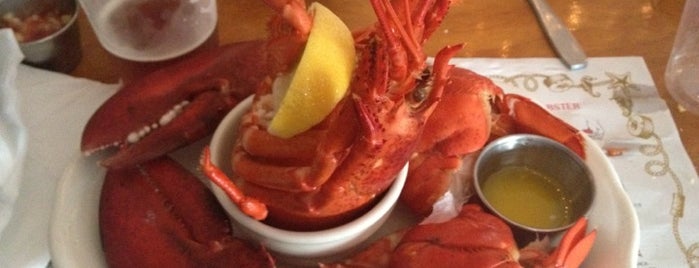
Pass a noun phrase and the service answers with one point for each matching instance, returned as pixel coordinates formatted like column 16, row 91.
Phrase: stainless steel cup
column 545, row 156
column 59, row 51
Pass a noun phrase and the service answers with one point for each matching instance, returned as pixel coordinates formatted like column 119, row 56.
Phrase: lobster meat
column 472, row 239
column 335, row 170
column 158, row 214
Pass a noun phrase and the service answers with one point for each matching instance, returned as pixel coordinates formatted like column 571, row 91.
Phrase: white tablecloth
column 614, row 100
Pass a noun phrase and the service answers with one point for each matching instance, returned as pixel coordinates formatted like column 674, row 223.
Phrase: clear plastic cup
column 682, row 73
column 151, row 30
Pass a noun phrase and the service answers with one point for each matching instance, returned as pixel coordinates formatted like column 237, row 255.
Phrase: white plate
column 75, row 240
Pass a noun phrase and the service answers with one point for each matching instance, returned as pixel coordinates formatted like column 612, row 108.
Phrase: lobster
column 397, row 111
column 158, row 214
column 472, row 112
column 474, row 238
column 175, row 106
column 334, row 171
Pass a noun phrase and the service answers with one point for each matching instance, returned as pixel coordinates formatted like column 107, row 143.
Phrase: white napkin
column 13, row 137
column 54, row 108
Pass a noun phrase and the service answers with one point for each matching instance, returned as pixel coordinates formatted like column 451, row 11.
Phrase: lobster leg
column 528, row 117
column 574, row 246
column 250, row 206
column 571, row 251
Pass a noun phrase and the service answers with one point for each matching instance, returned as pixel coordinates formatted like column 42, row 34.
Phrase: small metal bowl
column 59, row 51
column 558, row 164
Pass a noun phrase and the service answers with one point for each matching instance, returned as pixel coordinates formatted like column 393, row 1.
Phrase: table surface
column 499, row 29
column 492, row 29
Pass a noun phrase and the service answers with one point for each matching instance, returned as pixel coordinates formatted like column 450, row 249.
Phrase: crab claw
column 174, row 106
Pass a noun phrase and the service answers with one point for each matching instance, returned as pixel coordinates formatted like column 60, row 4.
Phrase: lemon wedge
column 319, row 81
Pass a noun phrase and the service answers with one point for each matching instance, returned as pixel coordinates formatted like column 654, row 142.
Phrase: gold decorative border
column 638, row 125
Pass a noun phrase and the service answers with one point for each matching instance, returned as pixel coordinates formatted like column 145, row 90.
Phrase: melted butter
column 528, row 197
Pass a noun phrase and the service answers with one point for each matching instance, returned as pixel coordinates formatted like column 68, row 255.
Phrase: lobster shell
column 159, row 214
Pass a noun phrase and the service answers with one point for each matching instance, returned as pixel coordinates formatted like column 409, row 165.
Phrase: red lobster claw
column 157, row 214
column 474, row 238
column 174, row 106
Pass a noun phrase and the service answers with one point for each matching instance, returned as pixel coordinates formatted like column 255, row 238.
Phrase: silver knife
column 563, row 41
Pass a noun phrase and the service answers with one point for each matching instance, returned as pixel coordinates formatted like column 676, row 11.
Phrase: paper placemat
column 615, row 101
